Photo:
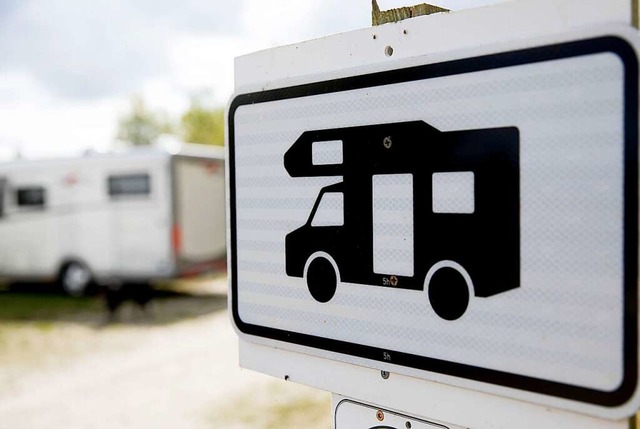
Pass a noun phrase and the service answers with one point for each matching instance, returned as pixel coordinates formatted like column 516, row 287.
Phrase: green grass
column 44, row 307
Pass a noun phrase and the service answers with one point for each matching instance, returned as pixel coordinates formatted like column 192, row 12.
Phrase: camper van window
column 129, row 184
column 30, row 197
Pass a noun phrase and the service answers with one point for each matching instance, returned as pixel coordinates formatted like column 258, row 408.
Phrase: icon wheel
column 322, row 279
column 448, row 293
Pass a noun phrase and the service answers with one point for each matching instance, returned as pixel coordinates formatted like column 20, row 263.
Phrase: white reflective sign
column 507, row 259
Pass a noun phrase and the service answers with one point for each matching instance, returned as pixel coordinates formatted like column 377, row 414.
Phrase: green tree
column 202, row 124
column 141, row 126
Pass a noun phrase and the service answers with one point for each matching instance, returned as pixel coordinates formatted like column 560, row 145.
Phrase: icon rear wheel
column 448, row 293
column 322, row 279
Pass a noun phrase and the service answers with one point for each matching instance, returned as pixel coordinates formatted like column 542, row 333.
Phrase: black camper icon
column 417, row 209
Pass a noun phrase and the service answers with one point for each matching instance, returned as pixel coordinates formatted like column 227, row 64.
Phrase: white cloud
column 198, row 63
column 68, row 69
column 164, row 95
column 102, row 48
column 19, row 88
column 44, row 130
column 278, row 22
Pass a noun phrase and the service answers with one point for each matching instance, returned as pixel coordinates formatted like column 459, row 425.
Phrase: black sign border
column 605, row 44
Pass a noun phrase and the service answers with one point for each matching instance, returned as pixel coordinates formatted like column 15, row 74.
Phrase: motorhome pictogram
column 416, row 209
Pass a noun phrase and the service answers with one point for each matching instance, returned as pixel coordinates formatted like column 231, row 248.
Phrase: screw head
column 379, row 415
column 384, row 374
column 386, row 142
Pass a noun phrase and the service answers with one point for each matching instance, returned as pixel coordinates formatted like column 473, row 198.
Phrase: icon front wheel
column 322, row 279
column 448, row 293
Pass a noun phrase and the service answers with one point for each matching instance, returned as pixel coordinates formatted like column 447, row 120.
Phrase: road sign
column 469, row 219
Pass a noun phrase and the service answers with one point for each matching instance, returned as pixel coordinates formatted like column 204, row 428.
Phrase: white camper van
column 137, row 216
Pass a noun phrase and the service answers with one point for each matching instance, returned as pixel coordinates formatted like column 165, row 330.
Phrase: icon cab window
column 328, row 210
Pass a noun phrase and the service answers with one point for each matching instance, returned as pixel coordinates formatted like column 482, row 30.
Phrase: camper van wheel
column 75, row 278
column 448, row 293
column 322, row 279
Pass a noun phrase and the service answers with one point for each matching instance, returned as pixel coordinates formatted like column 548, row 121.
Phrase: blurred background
column 91, row 94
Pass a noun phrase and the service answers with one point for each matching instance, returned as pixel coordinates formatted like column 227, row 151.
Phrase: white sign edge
column 276, row 67
column 427, row 400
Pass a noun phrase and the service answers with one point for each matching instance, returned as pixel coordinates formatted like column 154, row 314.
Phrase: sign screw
column 384, row 374
column 387, row 142
column 407, row 425
column 379, row 415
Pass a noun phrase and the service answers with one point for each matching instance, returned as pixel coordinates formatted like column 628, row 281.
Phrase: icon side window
column 453, row 192
column 330, row 211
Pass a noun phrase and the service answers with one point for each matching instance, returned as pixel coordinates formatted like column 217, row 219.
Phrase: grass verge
column 45, row 307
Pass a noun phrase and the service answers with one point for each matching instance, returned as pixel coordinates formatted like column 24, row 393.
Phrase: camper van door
column 139, row 219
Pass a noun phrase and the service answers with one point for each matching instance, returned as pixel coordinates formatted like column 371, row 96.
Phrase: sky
column 69, row 69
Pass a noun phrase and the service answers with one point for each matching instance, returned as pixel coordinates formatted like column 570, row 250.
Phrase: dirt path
column 183, row 374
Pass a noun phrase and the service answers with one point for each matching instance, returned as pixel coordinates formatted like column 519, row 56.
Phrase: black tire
column 322, row 279
column 448, row 293
column 75, row 279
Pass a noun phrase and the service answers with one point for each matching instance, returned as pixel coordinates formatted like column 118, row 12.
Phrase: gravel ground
column 177, row 370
